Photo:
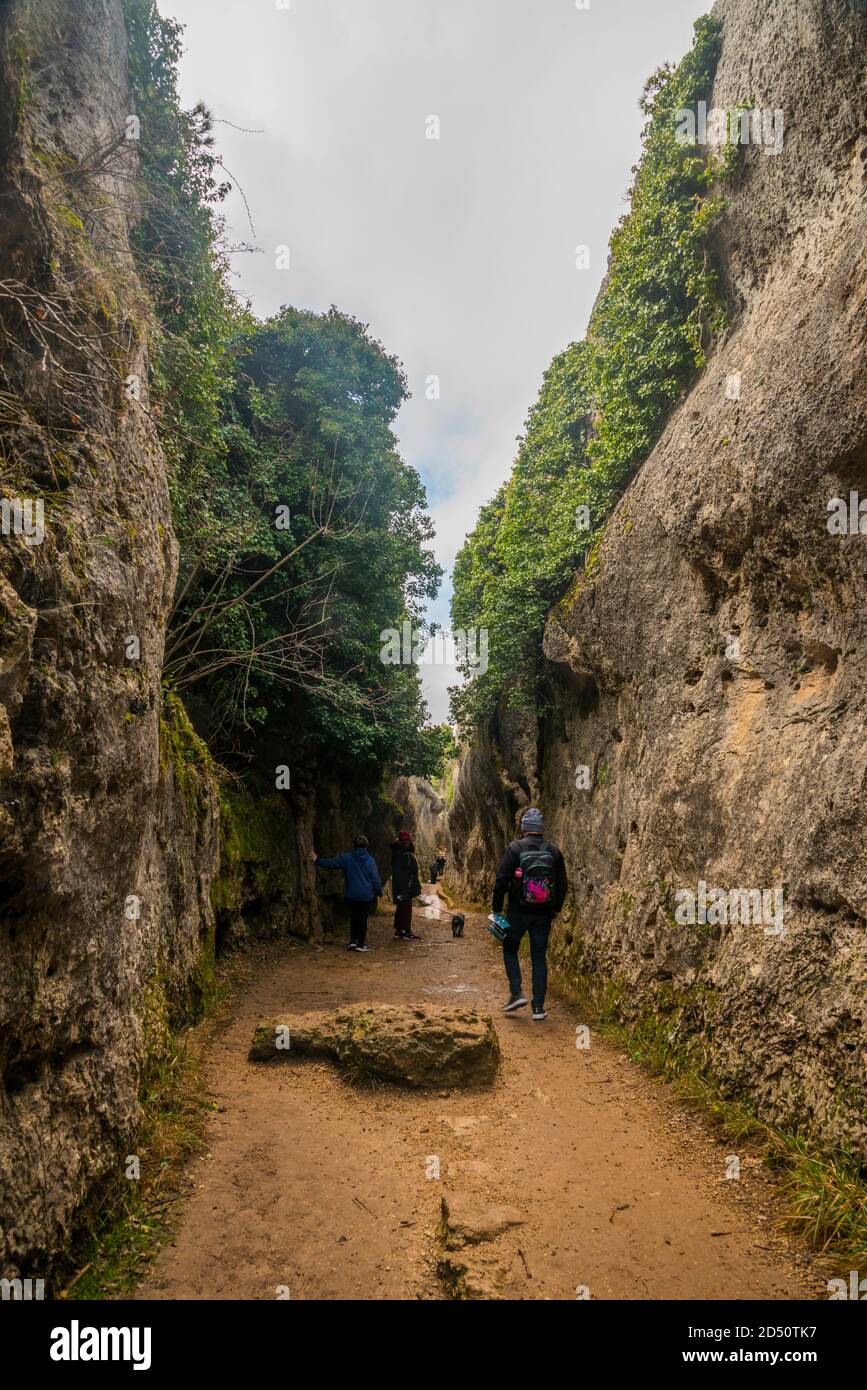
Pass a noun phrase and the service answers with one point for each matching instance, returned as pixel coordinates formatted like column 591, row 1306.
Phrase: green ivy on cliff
column 525, row 544
column 604, row 401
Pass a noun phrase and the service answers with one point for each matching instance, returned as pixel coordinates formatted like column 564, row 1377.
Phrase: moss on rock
column 184, row 754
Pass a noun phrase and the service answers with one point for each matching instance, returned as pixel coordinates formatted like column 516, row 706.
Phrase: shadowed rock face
column 711, row 671
column 424, row 816
column 91, row 815
column 105, row 795
column 417, row 1047
column 497, row 779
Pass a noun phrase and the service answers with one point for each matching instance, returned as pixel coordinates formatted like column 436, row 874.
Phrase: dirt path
column 322, row 1187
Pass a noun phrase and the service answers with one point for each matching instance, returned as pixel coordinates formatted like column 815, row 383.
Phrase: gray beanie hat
column 532, row 820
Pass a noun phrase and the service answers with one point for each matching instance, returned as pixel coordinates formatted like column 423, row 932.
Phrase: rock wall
column 709, row 672
column 495, row 779
column 106, row 842
column 267, row 884
column 110, row 806
column 425, row 815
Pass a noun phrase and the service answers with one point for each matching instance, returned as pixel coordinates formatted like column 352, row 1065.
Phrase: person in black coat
column 405, row 885
column 533, row 875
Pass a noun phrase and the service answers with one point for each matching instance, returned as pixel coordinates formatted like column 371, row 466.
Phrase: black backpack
column 534, row 883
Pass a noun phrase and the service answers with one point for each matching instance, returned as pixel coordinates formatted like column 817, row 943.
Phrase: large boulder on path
column 425, row 1046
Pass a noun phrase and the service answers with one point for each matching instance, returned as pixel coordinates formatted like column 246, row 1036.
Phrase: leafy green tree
column 302, row 532
column 177, row 242
column 328, row 547
column 527, row 541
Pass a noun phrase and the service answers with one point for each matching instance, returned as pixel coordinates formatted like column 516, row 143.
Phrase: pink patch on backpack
column 536, row 890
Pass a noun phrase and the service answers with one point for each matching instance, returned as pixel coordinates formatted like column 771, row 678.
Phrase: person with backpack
column 533, row 874
column 362, row 887
column 405, row 885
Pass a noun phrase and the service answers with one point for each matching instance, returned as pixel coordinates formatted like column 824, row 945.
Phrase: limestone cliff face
column 710, row 672
column 105, row 848
column 126, row 857
column 425, row 816
column 496, row 778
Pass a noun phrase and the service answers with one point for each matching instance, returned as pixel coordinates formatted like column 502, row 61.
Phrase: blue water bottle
column 499, row 926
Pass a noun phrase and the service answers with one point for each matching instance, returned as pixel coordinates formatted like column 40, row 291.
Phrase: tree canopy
column 303, row 534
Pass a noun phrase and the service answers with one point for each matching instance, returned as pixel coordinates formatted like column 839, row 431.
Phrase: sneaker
column 352, row 946
column 539, row 1013
column 413, row 936
column 362, row 948
column 517, row 1002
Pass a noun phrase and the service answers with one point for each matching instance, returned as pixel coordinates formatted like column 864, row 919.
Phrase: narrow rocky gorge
column 703, row 723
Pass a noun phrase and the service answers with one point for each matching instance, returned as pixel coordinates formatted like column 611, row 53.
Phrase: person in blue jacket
column 362, row 887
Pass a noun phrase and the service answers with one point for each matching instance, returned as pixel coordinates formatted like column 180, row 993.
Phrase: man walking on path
column 533, row 874
column 362, row 887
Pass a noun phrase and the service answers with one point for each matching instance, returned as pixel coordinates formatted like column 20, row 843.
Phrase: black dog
column 458, row 924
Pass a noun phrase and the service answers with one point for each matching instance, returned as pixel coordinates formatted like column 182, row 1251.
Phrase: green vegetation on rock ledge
column 604, row 401
column 182, row 751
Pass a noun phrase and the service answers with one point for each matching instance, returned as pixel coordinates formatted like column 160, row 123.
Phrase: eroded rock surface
column 105, row 851
column 425, row 815
column 108, row 802
column 467, row 1220
column 472, row 1266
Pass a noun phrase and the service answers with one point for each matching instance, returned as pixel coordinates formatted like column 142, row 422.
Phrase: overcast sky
column 459, row 252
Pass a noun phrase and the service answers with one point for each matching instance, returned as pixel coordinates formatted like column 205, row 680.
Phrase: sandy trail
column 320, row 1188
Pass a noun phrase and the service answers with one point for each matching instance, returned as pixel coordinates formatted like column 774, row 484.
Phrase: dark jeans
column 358, row 914
column 403, row 917
column 539, row 929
